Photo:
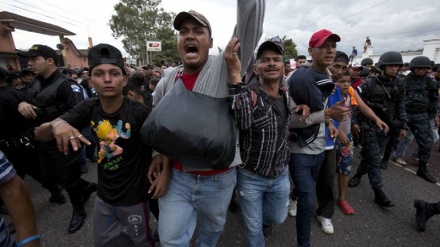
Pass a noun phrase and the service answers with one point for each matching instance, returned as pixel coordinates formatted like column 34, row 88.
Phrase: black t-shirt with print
column 123, row 158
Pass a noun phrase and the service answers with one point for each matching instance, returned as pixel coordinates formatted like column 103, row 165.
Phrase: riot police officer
column 27, row 78
column 367, row 62
column 384, row 96
column 16, row 133
column 422, row 106
column 48, row 98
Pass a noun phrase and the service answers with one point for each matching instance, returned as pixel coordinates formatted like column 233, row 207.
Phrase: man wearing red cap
column 312, row 86
column 355, row 69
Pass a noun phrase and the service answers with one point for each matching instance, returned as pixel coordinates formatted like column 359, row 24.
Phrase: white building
column 431, row 49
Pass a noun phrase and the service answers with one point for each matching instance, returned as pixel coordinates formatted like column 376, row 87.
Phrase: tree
column 289, row 48
column 139, row 21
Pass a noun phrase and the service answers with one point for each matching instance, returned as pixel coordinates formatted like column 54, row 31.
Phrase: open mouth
column 191, row 49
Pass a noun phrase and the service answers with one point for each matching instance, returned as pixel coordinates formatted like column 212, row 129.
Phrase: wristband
column 28, row 240
column 56, row 124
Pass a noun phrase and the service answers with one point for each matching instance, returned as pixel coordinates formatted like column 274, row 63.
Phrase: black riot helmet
column 365, row 71
column 366, row 61
column 390, row 58
column 420, row 62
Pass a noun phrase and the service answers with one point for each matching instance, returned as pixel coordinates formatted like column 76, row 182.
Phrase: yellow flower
column 103, row 129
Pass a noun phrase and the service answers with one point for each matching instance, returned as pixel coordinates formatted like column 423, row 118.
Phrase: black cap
column 341, row 57
column 13, row 74
column 274, row 44
column 26, row 71
column 105, row 54
column 40, row 50
column 148, row 66
column 182, row 16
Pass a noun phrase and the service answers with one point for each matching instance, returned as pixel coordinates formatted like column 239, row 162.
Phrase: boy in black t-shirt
column 123, row 186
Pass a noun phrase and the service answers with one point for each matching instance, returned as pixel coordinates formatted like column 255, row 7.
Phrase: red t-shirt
column 189, row 81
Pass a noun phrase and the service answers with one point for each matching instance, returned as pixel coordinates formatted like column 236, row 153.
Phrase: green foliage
column 139, row 21
column 289, row 48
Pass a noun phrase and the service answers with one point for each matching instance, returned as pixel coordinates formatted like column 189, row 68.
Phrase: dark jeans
column 25, row 161
column 58, row 168
column 325, row 184
column 90, row 149
column 373, row 139
column 304, row 169
column 421, row 128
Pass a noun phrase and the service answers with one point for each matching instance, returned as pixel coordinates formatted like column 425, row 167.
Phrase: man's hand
column 337, row 111
column 159, row 176
column 343, row 138
column 355, row 130
column 402, row 134
column 382, row 125
column 27, row 110
column 304, row 110
column 67, row 135
column 436, row 121
column 232, row 60
column 332, row 131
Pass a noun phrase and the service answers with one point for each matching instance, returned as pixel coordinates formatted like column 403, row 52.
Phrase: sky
column 392, row 25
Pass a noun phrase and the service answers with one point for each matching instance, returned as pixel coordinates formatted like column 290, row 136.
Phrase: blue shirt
column 332, row 99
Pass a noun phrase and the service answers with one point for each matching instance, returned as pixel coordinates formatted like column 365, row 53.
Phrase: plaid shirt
column 262, row 145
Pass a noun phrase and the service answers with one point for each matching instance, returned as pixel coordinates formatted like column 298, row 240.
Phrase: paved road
column 369, row 226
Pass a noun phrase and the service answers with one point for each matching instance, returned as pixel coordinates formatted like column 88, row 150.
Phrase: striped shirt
column 263, row 144
column 7, row 172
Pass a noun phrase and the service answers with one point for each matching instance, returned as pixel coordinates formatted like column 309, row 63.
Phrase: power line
column 75, row 25
column 40, row 14
column 82, row 17
column 361, row 11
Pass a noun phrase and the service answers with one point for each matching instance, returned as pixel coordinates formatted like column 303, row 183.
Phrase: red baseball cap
column 319, row 37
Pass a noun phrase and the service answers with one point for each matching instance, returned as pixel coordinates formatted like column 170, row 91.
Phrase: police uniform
column 54, row 96
column 386, row 99
column 421, row 106
column 16, row 135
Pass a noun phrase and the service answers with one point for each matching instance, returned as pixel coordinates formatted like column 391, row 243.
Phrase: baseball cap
column 319, row 37
column 274, row 44
column 355, row 65
column 341, row 57
column 182, row 16
column 149, row 66
column 40, row 50
column 26, row 71
column 105, row 54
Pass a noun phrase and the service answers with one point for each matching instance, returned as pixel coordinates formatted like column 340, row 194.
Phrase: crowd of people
column 294, row 131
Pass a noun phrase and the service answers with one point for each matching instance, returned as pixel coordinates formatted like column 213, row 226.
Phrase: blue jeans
column 262, row 200
column 403, row 145
column 304, row 169
column 189, row 195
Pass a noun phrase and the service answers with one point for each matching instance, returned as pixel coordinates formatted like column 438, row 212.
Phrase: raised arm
column 249, row 28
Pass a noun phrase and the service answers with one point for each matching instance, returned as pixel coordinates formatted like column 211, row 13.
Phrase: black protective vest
column 382, row 98
column 46, row 99
column 417, row 93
